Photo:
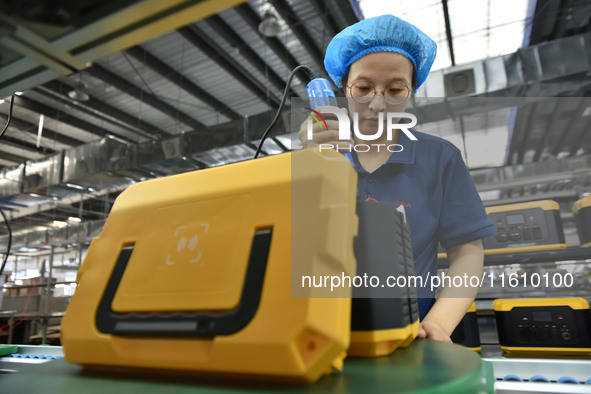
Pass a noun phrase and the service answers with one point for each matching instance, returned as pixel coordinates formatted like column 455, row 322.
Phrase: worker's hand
column 431, row 330
column 320, row 135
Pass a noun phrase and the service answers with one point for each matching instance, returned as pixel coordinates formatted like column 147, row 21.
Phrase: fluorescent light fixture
column 18, row 93
column 36, row 195
column 59, row 223
column 40, row 130
column 28, row 249
column 74, row 219
column 74, row 186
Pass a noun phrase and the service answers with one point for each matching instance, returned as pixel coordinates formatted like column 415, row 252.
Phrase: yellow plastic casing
column 582, row 207
column 584, row 202
column 191, row 236
column 546, row 205
column 506, row 305
column 378, row 343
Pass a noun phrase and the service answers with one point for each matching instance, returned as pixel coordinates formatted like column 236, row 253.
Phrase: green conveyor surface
column 424, row 367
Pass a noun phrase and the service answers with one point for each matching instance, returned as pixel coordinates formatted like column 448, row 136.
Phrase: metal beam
column 101, row 118
column 120, row 83
column 562, row 142
column 129, row 26
column 11, row 141
column 579, row 140
column 349, row 12
column 205, row 44
column 542, row 141
column 52, row 205
column 142, row 55
column 227, row 33
column 324, row 12
column 60, row 116
column 298, row 29
column 521, row 131
column 49, row 134
column 450, row 41
column 137, row 125
column 13, row 158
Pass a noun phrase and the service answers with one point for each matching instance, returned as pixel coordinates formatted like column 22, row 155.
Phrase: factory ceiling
column 113, row 92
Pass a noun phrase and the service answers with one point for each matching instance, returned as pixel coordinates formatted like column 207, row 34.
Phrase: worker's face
column 380, row 69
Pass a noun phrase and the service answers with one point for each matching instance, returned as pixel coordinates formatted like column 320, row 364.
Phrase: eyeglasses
column 364, row 92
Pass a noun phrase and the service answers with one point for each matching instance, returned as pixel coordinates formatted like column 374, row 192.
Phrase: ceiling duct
column 530, row 72
column 93, row 166
column 11, row 181
column 566, row 178
column 77, row 233
column 460, row 83
column 109, row 164
column 41, row 174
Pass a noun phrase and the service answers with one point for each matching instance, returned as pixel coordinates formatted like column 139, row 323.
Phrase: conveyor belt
column 425, row 366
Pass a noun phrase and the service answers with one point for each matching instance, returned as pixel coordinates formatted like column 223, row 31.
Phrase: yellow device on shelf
column 193, row 272
column 582, row 213
column 544, row 325
column 467, row 332
column 523, row 227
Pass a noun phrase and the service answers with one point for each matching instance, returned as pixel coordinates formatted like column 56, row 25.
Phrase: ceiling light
column 269, row 26
column 28, row 249
column 59, row 223
column 18, row 93
column 74, row 186
column 78, row 93
column 74, row 219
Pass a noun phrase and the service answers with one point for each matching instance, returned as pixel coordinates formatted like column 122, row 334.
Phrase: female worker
column 379, row 62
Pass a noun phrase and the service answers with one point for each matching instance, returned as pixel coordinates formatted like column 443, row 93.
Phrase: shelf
column 541, row 256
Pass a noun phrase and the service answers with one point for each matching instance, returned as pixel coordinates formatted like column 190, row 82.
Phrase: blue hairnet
column 384, row 33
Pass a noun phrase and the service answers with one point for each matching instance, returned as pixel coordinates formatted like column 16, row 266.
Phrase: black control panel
column 516, row 227
column 555, row 327
column 526, row 227
column 551, row 326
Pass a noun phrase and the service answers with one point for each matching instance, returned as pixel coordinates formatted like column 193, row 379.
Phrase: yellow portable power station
column 523, row 227
column 544, row 325
column 193, row 272
column 383, row 318
column 467, row 332
column 582, row 213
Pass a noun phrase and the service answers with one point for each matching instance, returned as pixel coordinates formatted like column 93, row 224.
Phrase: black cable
column 283, row 100
column 9, row 116
column 9, row 241
column 1, row 211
